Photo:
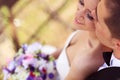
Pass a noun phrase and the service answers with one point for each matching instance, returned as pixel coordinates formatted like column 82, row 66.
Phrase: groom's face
column 102, row 30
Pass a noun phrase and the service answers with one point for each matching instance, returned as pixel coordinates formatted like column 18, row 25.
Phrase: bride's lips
column 78, row 21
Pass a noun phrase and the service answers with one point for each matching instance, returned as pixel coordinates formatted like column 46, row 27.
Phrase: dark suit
column 109, row 73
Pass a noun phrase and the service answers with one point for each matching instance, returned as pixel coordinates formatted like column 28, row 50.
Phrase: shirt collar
column 114, row 61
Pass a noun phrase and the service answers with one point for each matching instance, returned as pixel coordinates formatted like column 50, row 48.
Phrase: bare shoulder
column 79, row 36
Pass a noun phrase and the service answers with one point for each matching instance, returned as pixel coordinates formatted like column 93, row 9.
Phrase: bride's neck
column 92, row 36
column 92, row 40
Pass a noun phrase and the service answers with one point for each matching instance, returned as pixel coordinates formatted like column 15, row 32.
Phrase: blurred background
column 27, row 21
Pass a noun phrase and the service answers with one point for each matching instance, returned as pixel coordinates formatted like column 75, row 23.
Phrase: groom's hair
column 113, row 21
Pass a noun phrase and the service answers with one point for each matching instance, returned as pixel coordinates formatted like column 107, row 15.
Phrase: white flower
column 11, row 65
column 6, row 74
column 48, row 49
column 33, row 47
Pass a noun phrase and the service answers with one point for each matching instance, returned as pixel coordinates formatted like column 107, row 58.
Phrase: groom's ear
column 116, row 43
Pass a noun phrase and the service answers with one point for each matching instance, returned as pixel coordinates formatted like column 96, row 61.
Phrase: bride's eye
column 89, row 16
column 81, row 2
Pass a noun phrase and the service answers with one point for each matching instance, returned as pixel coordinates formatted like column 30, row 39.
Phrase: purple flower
column 51, row 75
column 11, row 67
column 43, row 76
column 19, row 59
column 54, row 65
column 24, row 47
column 32, row 69
column 44, row 56
column 30, row 78
column 11, row 71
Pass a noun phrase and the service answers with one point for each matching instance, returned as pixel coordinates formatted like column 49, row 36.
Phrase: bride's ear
column 116, row 44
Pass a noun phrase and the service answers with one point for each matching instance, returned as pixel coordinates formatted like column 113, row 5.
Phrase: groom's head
column 108, row 24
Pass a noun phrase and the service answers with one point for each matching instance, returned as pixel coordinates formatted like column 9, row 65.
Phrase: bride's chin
column 80, row 27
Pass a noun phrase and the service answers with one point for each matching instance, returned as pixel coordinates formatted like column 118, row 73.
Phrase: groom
column 108, row 32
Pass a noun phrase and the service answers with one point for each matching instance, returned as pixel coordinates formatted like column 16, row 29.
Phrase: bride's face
column 85, row 14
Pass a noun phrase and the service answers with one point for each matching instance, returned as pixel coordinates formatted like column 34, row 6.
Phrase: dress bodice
column 62, row 61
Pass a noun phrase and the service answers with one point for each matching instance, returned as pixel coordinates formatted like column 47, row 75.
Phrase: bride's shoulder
column 81, row 35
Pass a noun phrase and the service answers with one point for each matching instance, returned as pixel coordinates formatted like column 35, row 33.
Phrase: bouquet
column 31, row 63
